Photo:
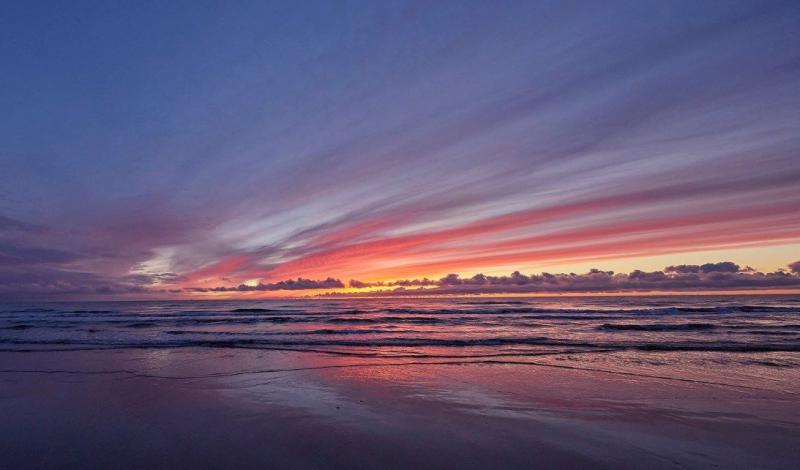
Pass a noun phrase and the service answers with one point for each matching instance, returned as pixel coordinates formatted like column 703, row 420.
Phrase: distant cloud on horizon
column 289, row 284
column 724, row 275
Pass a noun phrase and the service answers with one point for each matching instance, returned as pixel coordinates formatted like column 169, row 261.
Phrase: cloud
column 795, row 267
column 401, row 283
column 28, row 255
column 723, row 267
column 44, row 282
column 710, row 276
column 623, row 134
column 153, row 278
column 290, row 284
column 7, row 224
column 41, row 282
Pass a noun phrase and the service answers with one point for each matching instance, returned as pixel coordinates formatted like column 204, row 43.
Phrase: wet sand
column 207, row 408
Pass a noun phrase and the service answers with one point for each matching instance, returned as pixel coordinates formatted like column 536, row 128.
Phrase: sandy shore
column 201, row 408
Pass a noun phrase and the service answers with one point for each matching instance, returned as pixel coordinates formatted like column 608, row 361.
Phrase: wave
column 243, row 342
column 414, row 320
column 612, row 322
column 497, row 302
column 482, row 326
column 515, row 308
column 236, row 310
column 208, row 321
column 322, row 332
column 30, row 310
column 659, row 327
column 143, row 324
column 572, row 317
column 18, row 327
column 761, row 308
column 604, row 311
column 773, row 333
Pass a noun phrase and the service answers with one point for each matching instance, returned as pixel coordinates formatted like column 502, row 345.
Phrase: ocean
column 667, row 381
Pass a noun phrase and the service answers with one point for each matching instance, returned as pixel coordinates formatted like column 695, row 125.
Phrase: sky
column 188, row 148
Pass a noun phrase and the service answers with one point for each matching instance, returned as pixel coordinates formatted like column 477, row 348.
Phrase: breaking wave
column 419, row 328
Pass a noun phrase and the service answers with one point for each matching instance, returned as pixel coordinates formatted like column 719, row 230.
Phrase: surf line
column 134, row 374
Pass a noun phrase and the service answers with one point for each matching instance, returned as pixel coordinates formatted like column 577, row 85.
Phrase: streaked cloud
column 391, row 142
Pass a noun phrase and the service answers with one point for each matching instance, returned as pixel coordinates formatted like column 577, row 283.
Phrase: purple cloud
column 795, row 267
column 710, row 276
column 401, row 283
column 722, row 267
column 290, row 284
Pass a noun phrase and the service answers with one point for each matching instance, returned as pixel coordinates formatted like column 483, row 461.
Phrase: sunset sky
column 173, row 148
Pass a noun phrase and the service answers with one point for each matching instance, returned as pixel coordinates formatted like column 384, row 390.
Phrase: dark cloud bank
column 289, row 284
column 710, row 276
column 724, row 275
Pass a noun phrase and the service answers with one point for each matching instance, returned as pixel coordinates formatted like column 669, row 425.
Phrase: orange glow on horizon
column 342, row 294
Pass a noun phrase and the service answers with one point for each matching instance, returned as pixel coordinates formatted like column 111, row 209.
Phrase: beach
column 143, row 400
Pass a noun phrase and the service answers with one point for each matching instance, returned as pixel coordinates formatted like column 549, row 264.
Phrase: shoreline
column 311, row 410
